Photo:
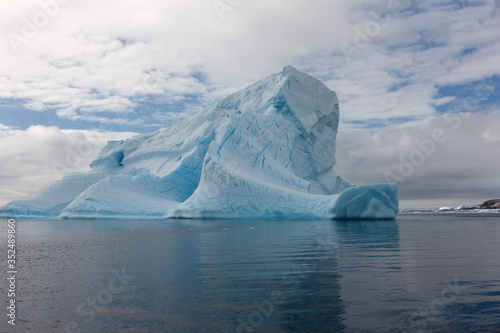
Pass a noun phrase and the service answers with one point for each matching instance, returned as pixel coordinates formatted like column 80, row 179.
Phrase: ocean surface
column 436, row 272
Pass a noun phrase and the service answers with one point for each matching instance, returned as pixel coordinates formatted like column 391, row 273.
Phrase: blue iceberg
column 265, row 152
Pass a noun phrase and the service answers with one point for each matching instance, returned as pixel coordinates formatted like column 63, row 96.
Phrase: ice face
column 52, row 199
column 267, row 151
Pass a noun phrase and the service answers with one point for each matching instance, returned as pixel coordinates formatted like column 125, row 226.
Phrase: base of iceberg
column 379, row 201
column 265, row 152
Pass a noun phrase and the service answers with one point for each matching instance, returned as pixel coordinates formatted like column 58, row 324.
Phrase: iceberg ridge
column 266, row 152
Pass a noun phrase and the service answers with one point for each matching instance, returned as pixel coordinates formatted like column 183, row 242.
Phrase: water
column 419, row 273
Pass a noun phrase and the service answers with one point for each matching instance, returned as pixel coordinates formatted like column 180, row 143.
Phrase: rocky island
column 488, row 204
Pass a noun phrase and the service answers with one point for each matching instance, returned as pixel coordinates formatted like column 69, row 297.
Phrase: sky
column 418, row 82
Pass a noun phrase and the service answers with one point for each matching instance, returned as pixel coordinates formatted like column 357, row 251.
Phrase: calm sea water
column 418, row 273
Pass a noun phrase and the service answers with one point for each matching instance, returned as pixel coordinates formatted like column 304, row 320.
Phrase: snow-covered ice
column 266, row 152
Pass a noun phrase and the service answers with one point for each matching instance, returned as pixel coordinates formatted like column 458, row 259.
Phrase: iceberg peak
column 290, row 71
column 266, row 151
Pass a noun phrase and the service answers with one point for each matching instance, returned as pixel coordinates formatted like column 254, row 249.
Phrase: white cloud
column 40, row 155
column 94, row 56
column 397, row 72
column 451, row 156
column 90, row 52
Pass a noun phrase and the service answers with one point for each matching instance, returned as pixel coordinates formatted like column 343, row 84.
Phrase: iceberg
column 264, row 152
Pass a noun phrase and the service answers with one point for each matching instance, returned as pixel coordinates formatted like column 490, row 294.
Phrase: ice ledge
column 377, row 201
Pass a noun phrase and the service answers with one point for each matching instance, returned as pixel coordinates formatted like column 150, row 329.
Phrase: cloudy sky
column 418, row 82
